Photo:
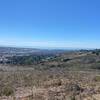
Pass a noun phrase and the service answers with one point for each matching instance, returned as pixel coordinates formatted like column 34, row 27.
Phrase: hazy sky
column 50, row 23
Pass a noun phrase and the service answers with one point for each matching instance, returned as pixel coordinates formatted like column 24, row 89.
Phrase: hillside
column 68, row 75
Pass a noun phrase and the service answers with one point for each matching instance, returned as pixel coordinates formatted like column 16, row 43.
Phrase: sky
column 50, row 23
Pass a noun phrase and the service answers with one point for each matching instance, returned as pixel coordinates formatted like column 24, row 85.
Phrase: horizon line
column 41, row 47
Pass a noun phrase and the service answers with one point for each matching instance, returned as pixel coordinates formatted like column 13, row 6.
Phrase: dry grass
column 47, row 85
column 53, row 80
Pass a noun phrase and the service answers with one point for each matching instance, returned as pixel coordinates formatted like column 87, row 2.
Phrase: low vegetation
column 68, row 76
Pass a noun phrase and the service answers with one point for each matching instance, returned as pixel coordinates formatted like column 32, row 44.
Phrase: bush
column 7, row 91
column 97, row 78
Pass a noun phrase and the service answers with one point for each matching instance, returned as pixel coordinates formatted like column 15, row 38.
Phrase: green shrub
column 7, row 91
column 97, row 78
